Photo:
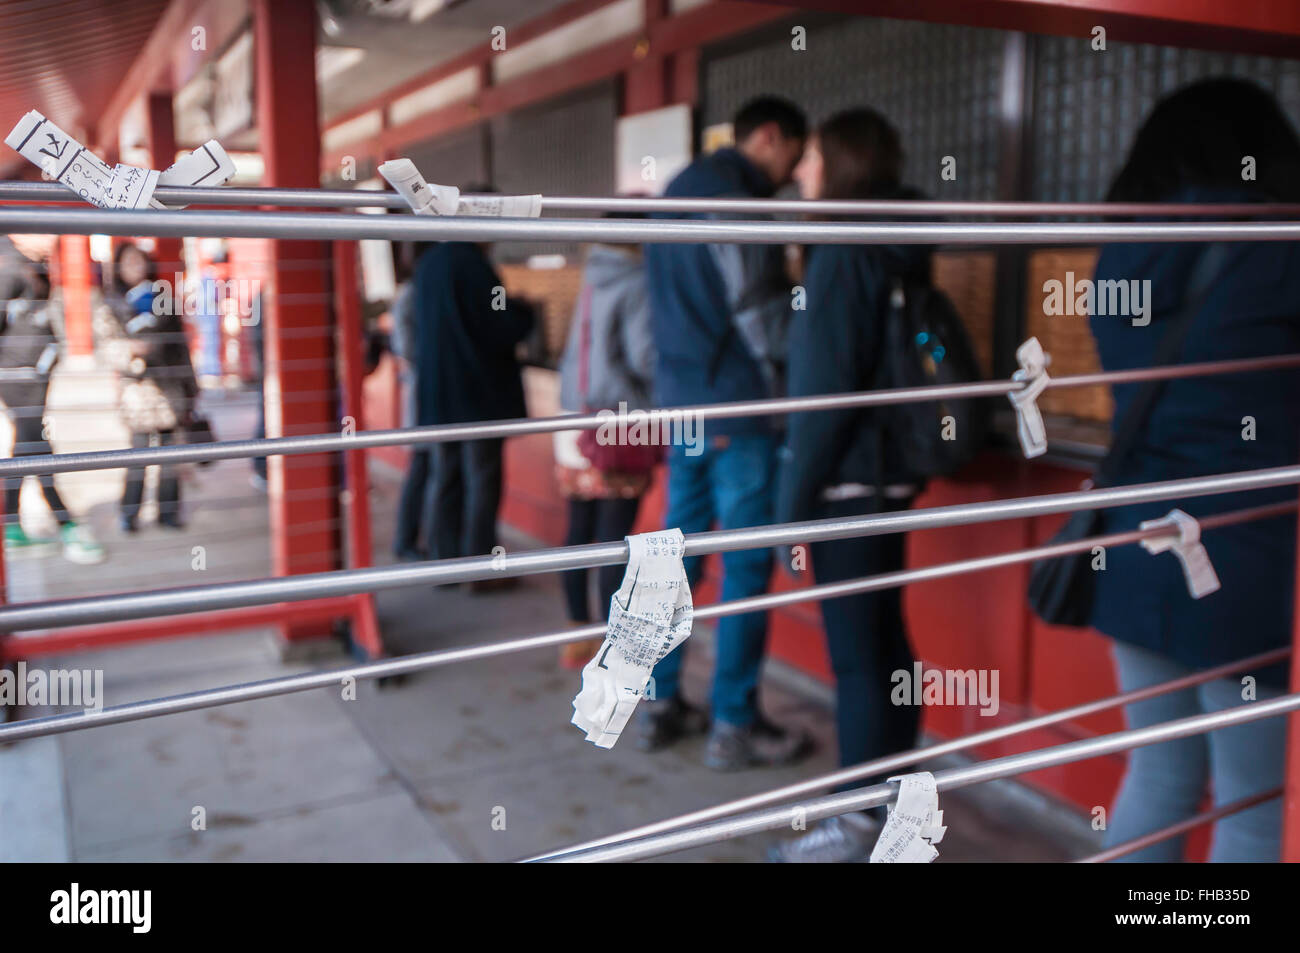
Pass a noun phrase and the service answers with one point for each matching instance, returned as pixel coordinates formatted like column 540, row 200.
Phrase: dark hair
column 1199, row 135
column 758, row 112
column 115, row 280
column 862, row 155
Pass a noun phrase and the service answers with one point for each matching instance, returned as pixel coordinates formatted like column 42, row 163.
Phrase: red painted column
column 74, row 282
column 351, row 349
column 301, row 390
column 162, row 152
column 645, row 85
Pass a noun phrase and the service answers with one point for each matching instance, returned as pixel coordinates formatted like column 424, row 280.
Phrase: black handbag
column 199, row 431
column 1061, row 588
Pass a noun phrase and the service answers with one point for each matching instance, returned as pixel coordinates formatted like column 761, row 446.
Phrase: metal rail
column 37, row 465
column 343, row 582
column 319, row 226
column 947, row 780
column 375, row 198
column 210, row 698
column 903, row 759
column 1182, row 827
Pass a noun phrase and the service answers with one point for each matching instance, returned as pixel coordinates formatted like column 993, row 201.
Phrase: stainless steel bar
column 189, row 599
column 349, row 227
column 947, row 780
column 905, row 758
column 373, row 198
column 1182, row 827
column 447, row 433
column 134, row 711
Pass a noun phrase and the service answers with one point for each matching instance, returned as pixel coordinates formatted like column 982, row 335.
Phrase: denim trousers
column 730, row 482
column 1166, row 783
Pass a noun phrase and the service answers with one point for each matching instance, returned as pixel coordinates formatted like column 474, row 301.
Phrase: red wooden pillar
column 74, row 276
column 300, row 386
column 351, row 348
column 645, row 85
column 162, row 152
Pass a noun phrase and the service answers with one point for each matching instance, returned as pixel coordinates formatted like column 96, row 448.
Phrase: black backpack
column 924, row 343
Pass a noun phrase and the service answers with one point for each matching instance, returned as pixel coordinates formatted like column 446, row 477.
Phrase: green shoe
column 80, row 545
column 18, row 543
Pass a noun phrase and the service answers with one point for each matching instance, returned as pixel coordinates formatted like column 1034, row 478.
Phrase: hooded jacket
column 719, row 311
column 1200, row 426
column 834, row 347
column 618, row 339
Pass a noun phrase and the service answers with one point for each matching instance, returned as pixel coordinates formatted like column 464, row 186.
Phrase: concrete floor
column 415, row 770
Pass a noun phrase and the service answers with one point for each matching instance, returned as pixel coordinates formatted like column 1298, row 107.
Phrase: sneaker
column 18, row 544
column 660, row 722
column 847, row 839
column 80, row 545
column 760, row 745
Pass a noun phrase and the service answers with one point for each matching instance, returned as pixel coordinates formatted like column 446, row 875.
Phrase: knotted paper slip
column 65, row 160
column 649, row 616
column 915, row 823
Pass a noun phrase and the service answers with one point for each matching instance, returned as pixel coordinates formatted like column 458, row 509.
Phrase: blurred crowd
column 682, row 324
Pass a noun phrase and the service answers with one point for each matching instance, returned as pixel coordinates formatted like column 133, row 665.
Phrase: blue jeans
column 732, row 484
column 1165, row 783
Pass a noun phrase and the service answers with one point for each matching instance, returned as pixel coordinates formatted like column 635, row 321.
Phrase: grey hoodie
column 621, row 353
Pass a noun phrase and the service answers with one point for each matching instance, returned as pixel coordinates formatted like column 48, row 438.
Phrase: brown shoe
column 575, row 655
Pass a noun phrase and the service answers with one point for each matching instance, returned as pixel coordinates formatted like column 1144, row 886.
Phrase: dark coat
column 1196, row 428
column 465, row 349
column 147, row 350
column 834, row 347
column 28, row 341
column 718, row 310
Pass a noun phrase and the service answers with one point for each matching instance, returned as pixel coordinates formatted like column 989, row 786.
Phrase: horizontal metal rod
column 211, row 698
column 946, row 780
column 39, row 464
column 320, row 226
column 373, row 198
column 1182, row 827
column 903, row 759
column 343, row 582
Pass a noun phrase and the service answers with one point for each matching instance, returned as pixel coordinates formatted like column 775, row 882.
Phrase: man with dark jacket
column 719, row 314
column 466, row 333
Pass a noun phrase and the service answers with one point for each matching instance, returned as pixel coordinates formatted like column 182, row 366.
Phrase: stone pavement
column 415, row 769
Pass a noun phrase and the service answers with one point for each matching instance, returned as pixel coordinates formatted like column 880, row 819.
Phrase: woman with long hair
column 843, row 463
column 147, row 346
column 1215, row 141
